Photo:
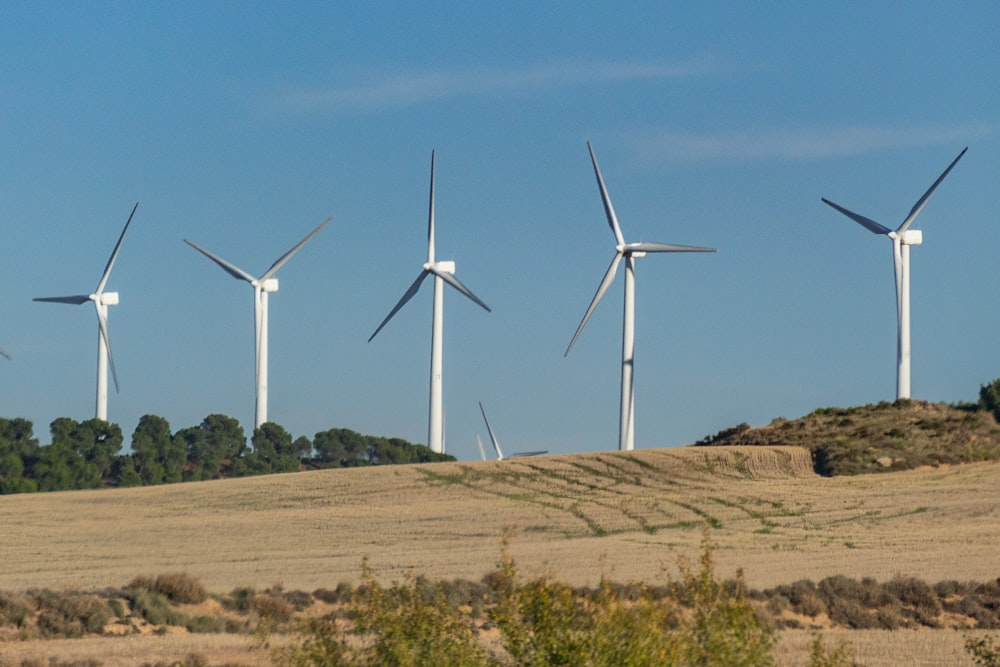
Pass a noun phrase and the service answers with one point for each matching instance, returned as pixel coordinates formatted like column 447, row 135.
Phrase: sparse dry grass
column 624, row 515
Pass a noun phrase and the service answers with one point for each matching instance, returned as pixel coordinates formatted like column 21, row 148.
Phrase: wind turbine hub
column 912, row 237
column 105, row 298
column 270, row 285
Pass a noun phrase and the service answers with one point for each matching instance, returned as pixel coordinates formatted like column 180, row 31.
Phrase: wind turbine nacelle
column 270, row 285
column 446, row 266
column 912, row 237
column 109, row 299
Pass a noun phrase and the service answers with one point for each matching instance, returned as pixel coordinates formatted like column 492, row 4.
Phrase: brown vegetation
column 878, row 438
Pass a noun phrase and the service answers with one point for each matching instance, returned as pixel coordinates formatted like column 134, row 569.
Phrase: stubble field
column 626, row 516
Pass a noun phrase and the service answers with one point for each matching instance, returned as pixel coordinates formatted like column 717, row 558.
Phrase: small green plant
column 984, row 651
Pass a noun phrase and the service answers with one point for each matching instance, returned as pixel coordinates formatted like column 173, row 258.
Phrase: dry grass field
column 627, row 516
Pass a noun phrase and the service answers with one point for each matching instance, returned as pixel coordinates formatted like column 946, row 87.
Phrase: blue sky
column 242, row 125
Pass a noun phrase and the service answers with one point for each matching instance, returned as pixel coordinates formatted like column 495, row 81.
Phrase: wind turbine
column 443, row 272
column 902, row 238
column 5, row 354
column 493, row 437
column 262, row 286
column 496, row 443
column 101, row 301
column 630, row 252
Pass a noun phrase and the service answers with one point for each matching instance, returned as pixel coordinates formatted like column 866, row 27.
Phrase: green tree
column 159, row 458
column 80, row 456
column 273, row 451
column 124, row 473
column 18, row 452
column 212, row 447
column 989, row 398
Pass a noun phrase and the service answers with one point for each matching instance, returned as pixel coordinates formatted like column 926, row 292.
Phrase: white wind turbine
column 262, row 286
column 902, row 238
column 101, row 301
column 496, row 443
column 443, row 272
column 630, row 252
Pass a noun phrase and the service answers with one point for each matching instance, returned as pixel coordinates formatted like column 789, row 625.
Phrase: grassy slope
column 879, row 438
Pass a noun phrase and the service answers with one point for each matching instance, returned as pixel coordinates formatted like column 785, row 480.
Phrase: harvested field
column 624, row 515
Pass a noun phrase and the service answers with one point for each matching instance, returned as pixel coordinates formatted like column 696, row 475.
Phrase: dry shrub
column 70, row 614
column 340, row 595
column 273, row 607
column 15, row 610
column 181, row 588
column 917, row 598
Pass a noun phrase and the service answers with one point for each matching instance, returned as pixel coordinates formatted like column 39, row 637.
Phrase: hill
column 627, row 515
column 878, row 438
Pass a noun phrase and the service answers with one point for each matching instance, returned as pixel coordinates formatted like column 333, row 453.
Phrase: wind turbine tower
column 629, row 252
column 902, row 238
column 443, row 272
column 101, row 301
column 262, row 286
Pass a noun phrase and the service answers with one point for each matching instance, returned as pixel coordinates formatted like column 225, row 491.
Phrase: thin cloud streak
column 795, row 145
column 420, row 88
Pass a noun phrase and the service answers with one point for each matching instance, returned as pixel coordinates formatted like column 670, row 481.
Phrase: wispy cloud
column 797, row 144
column 402, row 90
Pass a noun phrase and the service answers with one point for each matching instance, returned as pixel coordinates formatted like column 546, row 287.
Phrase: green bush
column 984, row 651
column 154, row 607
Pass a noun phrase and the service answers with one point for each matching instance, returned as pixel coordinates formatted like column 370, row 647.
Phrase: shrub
column 15, row 610
column 722, row 626
column 273, row 607
column 984, row 651
column 341, row 594
column 154, row 608
column 180, row 588
column 70, row 615
column 917, row 595
column 414, row 624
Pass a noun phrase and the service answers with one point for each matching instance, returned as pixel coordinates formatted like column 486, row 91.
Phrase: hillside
column 625, row 515
column 878, row 438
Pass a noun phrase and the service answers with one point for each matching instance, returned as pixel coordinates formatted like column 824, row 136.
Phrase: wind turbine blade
column 4, row 353
column 493, row 437
column 288, row 255
column 231, row 269
column 399, row 304
column 868, row 223
column 602, row 288
column 666, row 247
column 102, row 322
column 609, row 210
column 114, row 253
column 450, row 278
column 75, row 300
column 430, row 218
column 927, row 195
column 479, row 441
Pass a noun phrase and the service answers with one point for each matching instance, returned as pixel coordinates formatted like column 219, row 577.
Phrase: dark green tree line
column 87, row 454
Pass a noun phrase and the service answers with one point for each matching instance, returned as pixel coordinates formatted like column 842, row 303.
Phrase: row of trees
column 87, row 454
